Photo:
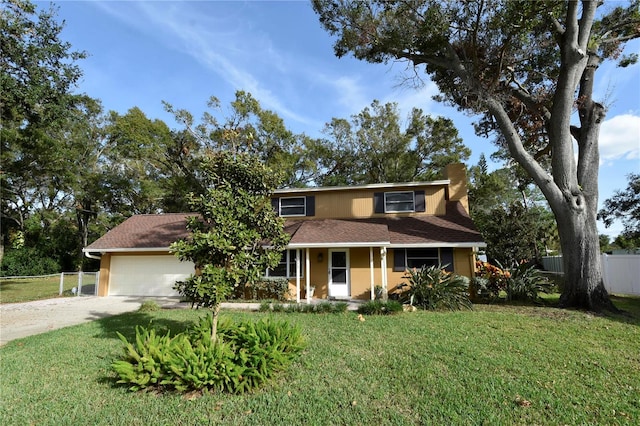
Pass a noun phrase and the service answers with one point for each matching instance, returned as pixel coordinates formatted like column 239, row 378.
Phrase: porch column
column 383, row 267
column 307, row 274
column 373, row 295
column 298, row 251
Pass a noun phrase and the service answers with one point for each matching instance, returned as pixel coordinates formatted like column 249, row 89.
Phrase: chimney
column 457, row 191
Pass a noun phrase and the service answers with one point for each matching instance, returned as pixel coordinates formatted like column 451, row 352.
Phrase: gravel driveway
column 26, row 319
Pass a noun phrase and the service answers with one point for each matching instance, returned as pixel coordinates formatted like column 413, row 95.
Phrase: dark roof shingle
column 455, row 227
column 150, row 231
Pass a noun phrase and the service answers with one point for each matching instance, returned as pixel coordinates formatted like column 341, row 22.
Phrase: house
column 345, row 241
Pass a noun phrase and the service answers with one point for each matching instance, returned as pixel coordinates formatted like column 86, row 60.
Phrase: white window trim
column 289, row 260
column 413, row 197
column 304, row 204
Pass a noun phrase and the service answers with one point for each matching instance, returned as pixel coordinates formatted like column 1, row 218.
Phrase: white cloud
column 620, row 138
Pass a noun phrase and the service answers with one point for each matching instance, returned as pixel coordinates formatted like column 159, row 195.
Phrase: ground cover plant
column 309, row 308
column 244, row 356
column 496, row 364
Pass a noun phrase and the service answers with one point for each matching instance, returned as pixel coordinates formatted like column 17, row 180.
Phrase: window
column 287, row 266
column 293, row 206
column 395, row 202
column 417, row 257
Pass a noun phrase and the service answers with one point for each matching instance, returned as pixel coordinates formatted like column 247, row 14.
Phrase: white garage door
column 146, row 275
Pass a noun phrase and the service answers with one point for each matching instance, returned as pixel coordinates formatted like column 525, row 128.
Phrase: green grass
column 28, row 289
column 497, row 364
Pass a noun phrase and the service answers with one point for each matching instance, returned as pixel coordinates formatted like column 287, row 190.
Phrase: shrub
column 431, row 287
column 276, row 288
column 149, row 306
column 244, row 356
column 27, row 261
column 319, row 308
column 521, row 282
column 490, row 280
column 380, row 307
column 525, row 283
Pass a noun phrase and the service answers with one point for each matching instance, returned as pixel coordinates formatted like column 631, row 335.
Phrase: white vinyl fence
column 621, row 272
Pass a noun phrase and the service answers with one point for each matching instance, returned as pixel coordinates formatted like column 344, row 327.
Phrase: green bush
column 380, row 307
column 149, row 306
column 318, row 308
column 269, row 288
column 27, row 261
column 519, row 283
column 433, row 288
column 245, row 355
column 525, row 283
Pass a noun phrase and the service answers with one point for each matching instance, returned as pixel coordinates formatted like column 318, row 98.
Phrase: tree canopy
column 625, row 206
column 523, row 67
column 372, row 147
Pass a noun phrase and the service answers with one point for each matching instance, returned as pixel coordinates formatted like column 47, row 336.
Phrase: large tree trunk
column 583, row 283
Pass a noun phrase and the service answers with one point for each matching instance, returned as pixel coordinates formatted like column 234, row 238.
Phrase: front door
column 339, row 273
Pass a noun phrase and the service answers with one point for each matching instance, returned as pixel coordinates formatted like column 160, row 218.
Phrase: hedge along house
column 345, row 241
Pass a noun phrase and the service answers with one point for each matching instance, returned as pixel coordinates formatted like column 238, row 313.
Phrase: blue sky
column 142, row 53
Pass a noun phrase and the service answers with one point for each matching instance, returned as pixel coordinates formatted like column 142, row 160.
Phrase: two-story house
column 345, row 241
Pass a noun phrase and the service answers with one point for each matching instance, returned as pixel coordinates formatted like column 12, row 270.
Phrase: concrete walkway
column 19, row 320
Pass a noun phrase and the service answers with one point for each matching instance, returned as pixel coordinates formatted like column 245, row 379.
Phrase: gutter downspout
column 92, row 256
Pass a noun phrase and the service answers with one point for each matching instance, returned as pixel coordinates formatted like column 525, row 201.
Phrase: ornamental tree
column 524, row 67
column 235, row 235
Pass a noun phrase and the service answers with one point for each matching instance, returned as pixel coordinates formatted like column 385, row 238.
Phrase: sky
column 143, row 53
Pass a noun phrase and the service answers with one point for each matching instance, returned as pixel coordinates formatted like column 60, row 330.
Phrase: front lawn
column 27, row 289
column 496, row 364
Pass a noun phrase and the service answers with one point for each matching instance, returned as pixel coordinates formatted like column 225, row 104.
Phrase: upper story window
column 395, row 202
column 399, row 202
column 293, row 206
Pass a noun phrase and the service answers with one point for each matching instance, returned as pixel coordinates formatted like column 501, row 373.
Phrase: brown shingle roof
column 455, row 227
column 340, row 231
column 152, row 231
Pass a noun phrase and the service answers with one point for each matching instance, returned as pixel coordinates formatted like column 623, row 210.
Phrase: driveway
column 19, row 320
column 26, row 319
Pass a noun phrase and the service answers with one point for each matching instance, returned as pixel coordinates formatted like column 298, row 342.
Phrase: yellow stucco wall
column 105, row 268
column 342, row 204
column 360, row 275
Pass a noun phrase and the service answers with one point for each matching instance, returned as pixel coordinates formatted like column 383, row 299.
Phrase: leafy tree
column 228, row 240
column 624, row 205
column 373, row 148
column 511, row 215
column 250, row 129
column 519, row 65
column 38, row 72
column 514, row 233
